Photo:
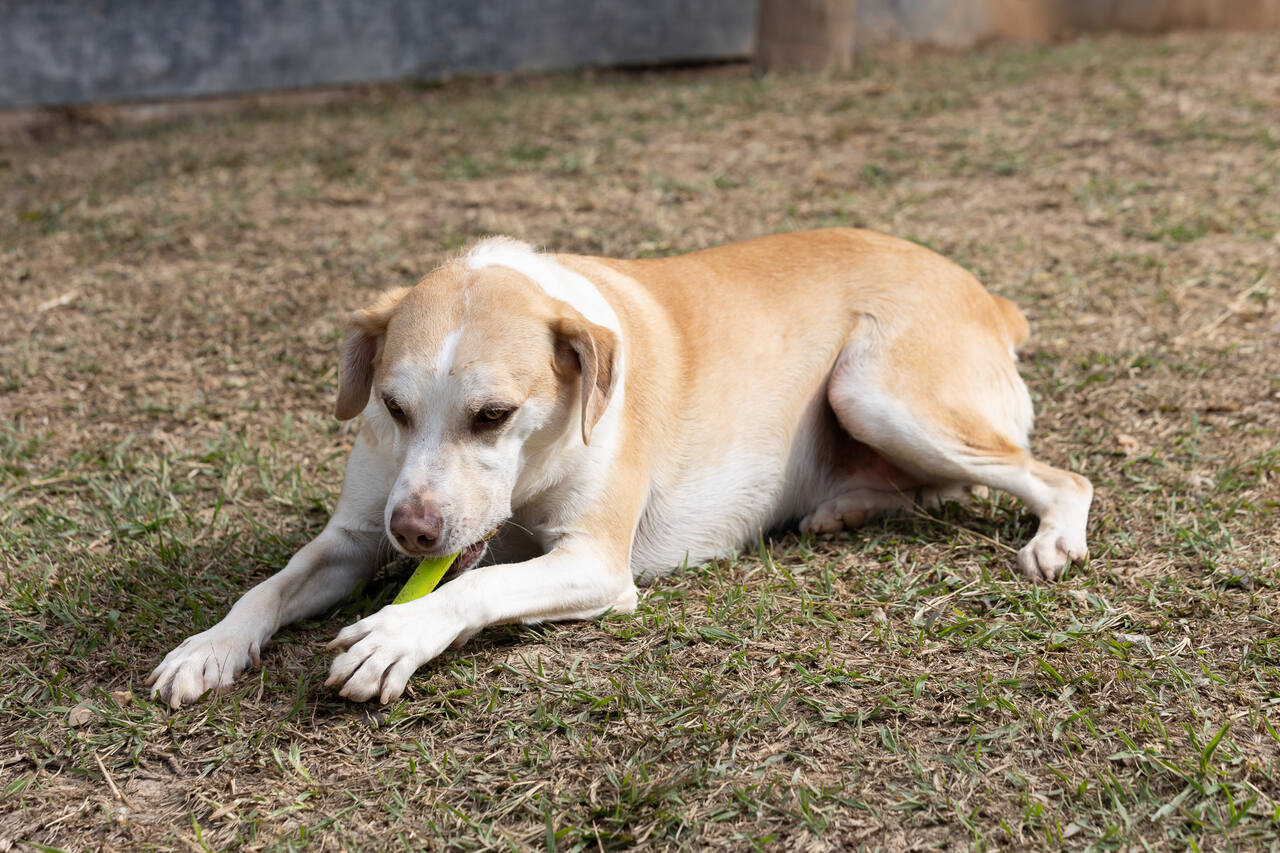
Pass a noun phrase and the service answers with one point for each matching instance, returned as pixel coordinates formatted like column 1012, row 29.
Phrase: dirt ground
column 172, row 294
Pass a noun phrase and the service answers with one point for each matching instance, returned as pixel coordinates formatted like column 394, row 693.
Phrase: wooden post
column 805, row 35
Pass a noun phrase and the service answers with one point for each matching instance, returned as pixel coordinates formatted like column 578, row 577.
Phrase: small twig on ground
column 1234, row 308
column 111, row 783
column 58, row 301
column 915, row 510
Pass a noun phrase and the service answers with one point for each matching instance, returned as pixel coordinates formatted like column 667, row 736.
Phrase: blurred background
column 56, row 52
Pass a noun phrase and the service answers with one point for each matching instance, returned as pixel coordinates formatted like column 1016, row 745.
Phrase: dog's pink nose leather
column 416, row 527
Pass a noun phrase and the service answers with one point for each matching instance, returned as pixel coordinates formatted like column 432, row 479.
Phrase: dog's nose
column 417, row 528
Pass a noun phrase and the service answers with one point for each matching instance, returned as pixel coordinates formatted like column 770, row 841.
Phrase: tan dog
column 634, row 416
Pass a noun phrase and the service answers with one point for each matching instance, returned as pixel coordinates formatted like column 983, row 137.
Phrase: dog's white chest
column 709, row 514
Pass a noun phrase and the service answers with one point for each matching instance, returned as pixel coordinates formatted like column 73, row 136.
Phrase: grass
column 172, row 294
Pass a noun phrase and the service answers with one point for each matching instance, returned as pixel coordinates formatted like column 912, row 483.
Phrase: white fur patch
column 448, row 351
column 558, row 282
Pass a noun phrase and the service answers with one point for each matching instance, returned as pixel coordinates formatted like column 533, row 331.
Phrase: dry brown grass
column 171, row 296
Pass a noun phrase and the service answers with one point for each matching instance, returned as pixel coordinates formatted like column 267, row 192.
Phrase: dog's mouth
column 469, row 556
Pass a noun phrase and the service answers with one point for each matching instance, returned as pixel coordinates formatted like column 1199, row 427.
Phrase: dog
column 627, row 417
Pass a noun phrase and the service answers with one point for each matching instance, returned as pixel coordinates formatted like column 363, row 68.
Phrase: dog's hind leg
column 943, row 403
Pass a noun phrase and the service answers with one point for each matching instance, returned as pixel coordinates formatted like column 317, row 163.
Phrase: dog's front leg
column 321, row 574
column 578, row 579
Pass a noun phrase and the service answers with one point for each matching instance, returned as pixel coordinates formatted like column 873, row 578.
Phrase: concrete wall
column 76, row 51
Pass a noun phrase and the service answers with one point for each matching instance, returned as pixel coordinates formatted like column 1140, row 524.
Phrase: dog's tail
column 1015, row 324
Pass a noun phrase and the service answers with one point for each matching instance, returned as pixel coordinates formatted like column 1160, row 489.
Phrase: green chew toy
column 425, row 578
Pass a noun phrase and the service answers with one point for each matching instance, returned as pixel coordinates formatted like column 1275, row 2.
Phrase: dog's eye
column 491, row 416
column 393, row 409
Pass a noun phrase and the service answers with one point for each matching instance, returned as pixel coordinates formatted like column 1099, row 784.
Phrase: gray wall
column 76, row 51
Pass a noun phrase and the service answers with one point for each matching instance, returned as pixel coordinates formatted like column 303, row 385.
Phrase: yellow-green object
column 425, row 578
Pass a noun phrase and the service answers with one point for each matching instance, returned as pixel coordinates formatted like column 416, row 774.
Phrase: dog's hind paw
column 1045, row 556
column 210, row 660
column 838, row 514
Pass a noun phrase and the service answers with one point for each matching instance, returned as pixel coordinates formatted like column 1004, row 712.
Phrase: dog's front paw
column 206, row 661
column 381, row 651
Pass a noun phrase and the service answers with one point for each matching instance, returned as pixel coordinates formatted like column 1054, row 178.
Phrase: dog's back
column 741, row 340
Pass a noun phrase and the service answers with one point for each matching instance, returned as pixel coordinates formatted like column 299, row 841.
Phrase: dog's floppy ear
column 360, row 352
column 594, row 348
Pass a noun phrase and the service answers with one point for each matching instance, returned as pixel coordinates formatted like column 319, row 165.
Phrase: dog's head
column 479, row 380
